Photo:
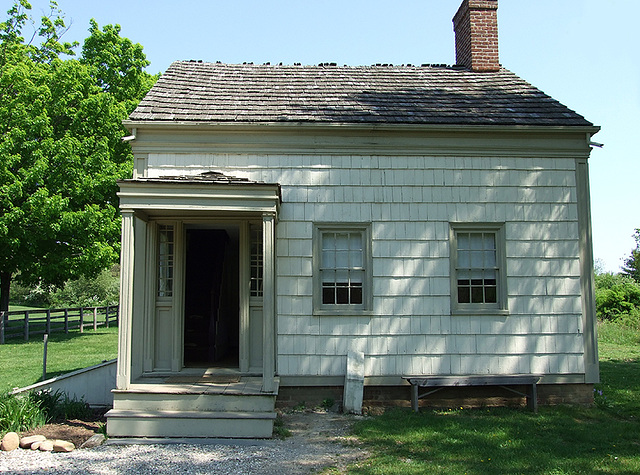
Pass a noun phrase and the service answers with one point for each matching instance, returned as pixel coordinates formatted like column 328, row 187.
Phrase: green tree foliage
column 632, row 263
column 616, row 295
column 97, row 291
column 60, row 148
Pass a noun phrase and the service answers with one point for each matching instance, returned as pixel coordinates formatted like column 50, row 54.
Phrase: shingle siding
column 410, row 202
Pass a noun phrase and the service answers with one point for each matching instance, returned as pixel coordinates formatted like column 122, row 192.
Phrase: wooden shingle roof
column 192, row 91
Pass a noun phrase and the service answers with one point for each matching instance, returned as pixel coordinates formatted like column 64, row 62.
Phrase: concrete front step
column 159, row 401
column 227, row 424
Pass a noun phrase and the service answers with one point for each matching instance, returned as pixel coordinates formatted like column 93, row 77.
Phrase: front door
column 212, row 297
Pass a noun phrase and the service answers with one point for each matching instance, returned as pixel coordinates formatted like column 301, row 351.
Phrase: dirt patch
column 73, row 431
column 325, row 439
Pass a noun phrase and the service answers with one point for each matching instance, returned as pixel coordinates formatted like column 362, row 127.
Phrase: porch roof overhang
column 207, row 194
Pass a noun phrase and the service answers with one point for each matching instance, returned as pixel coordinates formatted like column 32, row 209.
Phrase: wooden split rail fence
column 27, row 323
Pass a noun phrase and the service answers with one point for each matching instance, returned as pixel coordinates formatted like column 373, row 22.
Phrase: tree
column 61, row 150
column 631, row 266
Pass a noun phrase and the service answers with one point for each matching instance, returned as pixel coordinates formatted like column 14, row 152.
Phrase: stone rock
column 63, row 446
column 46, row 446
column 36, row 445
column 27, row 442
column 10, row 441
column 93, row 441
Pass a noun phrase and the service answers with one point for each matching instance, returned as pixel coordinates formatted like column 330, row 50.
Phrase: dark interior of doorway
column 211, row 331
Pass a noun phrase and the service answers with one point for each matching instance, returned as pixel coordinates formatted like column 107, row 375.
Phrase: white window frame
column 500, row 307
column 363, row 308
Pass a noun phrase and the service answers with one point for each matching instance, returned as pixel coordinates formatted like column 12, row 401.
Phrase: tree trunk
column 5, row 285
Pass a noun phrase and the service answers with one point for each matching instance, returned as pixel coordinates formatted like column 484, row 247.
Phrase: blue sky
column 582, row 52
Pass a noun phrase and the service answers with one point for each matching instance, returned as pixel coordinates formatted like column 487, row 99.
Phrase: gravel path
column 319, row 440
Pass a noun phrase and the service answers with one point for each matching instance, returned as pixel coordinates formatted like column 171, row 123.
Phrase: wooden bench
column 436, row 383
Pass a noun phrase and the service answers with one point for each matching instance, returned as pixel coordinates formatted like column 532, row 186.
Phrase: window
column 165, row 260
column 342, row 269
column 477, row 269
column 256, row 259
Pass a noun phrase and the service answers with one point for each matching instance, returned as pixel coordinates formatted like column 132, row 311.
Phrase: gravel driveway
column 319, row 439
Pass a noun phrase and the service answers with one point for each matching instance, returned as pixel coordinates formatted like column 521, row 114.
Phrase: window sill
column 480, row 312
column 342, row 312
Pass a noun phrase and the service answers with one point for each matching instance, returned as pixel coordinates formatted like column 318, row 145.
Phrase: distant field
column 21, row 308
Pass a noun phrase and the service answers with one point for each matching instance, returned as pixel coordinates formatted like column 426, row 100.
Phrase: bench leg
column 414, row 397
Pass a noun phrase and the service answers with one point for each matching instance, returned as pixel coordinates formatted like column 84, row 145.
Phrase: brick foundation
column 399, row 396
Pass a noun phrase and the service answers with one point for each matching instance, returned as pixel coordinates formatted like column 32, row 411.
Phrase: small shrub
column 327, row 403
column 102, row 429
column 20, row 412
column 279, row 430
column 58, row 406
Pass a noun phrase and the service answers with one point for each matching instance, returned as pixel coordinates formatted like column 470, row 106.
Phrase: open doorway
column 211, row 330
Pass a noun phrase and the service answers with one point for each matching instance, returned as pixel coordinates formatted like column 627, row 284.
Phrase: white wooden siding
column 410, row 202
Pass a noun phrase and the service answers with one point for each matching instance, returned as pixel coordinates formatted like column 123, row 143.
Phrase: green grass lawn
column 557, row 440
column 21, row 362
column 15, row 308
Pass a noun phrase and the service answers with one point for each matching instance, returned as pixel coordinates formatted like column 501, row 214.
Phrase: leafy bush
column 99, row 291
column 19, row 413
column 616, row 295
column 102, row 290
column 58, row 406
column 23, row 412
column 30, row 296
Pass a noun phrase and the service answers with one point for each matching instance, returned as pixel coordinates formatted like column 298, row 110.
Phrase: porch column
column 123, row 377
column 268, row 286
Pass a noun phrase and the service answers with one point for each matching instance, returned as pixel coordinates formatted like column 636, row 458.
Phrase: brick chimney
column 476, row 28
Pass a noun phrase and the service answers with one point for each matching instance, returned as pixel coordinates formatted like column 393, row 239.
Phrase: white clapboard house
column 433, row 219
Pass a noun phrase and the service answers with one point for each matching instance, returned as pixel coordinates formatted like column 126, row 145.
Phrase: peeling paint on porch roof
column 204, row 177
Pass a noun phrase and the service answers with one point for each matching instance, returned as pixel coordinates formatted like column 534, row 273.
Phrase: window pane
column 475, row 241
column 165, row 261
column 463, row 241
column 328, row 295
column 464, row 294
column 256, row 260
column 477, row 294
column 357, row 277
column 342, row 293
column 476, row 259
column 356, row 294
column 464, row 259
column 328, row 259
column 489, row 241
column 490, row 258
column 490, row 295
column 342, row 242
column 342, row 259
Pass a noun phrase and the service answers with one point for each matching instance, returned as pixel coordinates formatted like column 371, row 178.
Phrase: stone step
column 226, row 424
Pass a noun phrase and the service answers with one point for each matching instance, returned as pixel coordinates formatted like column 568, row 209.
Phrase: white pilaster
column 123, row 377
column 268, row 329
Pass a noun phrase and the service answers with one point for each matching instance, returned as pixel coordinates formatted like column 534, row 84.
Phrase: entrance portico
column 166, row 221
